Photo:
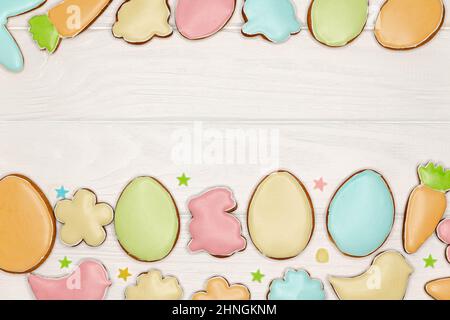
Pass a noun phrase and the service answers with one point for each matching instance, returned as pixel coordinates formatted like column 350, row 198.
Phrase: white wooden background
column 100, row 112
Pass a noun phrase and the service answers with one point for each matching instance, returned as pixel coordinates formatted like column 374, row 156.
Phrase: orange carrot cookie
column 426, row 206
column 439, row 289
column 218, row 288
column 66, row 20
column 27, row 225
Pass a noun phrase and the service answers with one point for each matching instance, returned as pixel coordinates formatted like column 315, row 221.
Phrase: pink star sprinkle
column 319, row 184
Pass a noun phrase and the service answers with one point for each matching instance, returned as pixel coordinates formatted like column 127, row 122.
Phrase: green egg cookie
column 146, row 221
column 335, row 23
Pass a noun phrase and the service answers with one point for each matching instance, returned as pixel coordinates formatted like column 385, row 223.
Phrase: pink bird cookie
column 443, row 233
column 88, row 281
column 213, row 228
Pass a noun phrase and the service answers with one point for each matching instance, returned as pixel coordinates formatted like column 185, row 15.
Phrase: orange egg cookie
column 407, row 24
column 439, row 289
column 27, row 225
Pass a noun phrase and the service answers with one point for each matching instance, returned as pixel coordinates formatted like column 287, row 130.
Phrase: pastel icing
column 439, row 289
column 83, row 219
column 337, row 22
column 138, row 21
column 361, row 214
column 213, row 228
column 407, row 24
column 27, row 225
column 296, row 285
column 218, row 288
column 88, row 281
column 443, row 233
column 153, row 286
column 426, row 206
column 10, row 55
column 280, row 216
column 71, row 17
column 197, row 19
column 65, row 20
column 274, row 19
column 146, row 220
column 386, row 279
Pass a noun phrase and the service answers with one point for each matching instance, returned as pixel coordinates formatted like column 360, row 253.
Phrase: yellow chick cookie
column 386, row 279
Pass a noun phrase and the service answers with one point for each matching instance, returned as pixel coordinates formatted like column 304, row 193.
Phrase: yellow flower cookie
column 153, row 286
column 83, row 219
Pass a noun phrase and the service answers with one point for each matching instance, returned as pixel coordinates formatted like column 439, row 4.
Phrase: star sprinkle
column 257, row 276
column 183, row 180
column 61, row 193
column 124, row 274
column 429, row 262
column 65, row 263
column 319, row 184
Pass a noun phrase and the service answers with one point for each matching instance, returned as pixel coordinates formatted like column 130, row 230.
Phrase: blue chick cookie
column 274, row 19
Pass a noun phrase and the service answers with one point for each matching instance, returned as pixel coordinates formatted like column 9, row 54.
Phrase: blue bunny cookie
column 296, row 285
column 275, row 20
column 10, row 55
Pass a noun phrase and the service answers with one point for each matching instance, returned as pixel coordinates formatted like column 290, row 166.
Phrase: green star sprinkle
column 257, row 276
column 65, row 263
column 429, row 262
column 183, row 180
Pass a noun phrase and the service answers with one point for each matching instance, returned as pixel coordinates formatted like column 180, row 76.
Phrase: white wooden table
column 100, row 112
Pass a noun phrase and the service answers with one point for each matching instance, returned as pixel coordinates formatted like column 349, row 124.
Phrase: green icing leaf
column 435, row 177
column 44, row 33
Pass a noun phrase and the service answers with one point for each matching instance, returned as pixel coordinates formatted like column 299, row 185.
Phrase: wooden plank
column 95, row 77
column 105, row 155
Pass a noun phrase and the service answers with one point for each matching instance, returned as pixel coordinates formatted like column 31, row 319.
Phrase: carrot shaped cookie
column 426, row 206
column 66, row 20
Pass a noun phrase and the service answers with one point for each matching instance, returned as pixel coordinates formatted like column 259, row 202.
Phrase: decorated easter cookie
column 83, row 219
column 27, row 225
column 386, row 279
column 361, row 214
column 218, row 288
column 213, row 228
column 153, row 286
column 275, row 20
column 443, row 233
column 426, row 206
column 88, row 281
column 10, row 55
column 280, row 216
column 67, row 20
column 197, row 19
column 147, row 220
column 335, row 23
column 407, row 24
column 296, row 285
column 439, row 289
column 138, row 21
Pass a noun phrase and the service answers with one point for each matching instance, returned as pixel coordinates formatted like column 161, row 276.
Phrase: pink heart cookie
column 443, row 233
column 213, row 229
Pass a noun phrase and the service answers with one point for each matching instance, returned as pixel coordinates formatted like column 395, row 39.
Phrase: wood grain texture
column 104, row 156
column 100, row 112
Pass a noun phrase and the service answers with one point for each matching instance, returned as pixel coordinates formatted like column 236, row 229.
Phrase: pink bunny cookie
column 213, row 229
column 443, row 233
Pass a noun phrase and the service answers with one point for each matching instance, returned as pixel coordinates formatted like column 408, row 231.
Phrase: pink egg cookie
column 198, row 19
column 213, row 229
column 88, row 281
column 443, row 233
